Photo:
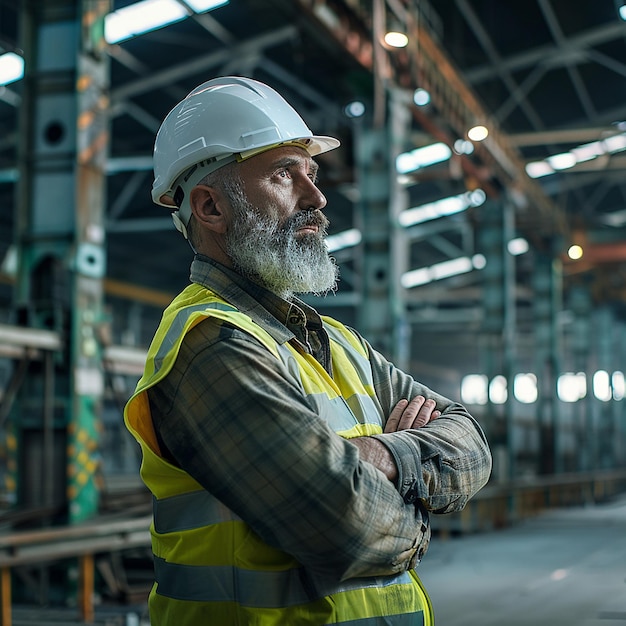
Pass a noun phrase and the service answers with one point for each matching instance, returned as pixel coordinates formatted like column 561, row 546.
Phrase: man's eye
column 284, row 173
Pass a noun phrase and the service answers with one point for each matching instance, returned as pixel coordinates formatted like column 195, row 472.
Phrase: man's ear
column 206, row 205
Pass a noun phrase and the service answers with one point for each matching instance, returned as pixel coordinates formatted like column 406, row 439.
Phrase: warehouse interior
column 493, row 269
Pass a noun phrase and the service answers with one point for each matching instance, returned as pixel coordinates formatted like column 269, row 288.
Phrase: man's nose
column 311, row 196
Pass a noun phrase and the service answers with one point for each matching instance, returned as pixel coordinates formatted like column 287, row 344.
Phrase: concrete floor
column 565, row 567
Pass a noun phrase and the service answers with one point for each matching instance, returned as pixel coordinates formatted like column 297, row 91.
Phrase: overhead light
column 345, row 239
column 616, row 219
column 421, row 97
column 619, row 386
column 10, row 262
column 148, row 15
column 442, row 208
column 537, row 169
column 580, row 154
column 422, row 157
column 354, row 109
column 575, row 252
column 478, row 133
column 571, row 386
column 202, row 6
column 479, row 261
column 615, row 143
column 396, row 39
column 517, row 246
column 462, row 146
column 445, row 269
column 562, row 161
column 11, row 68
column 588, row 151
column 622, row 12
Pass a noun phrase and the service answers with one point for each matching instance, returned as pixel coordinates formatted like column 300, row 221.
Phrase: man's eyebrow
column 290, row 161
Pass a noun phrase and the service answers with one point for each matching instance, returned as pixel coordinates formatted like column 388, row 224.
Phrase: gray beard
column 270, row 254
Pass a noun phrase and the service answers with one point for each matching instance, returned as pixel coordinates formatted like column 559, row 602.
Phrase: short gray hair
column 226, row 179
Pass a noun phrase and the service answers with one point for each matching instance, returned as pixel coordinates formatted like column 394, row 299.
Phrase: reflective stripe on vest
column 178, row 325
column 189, row 510
column 254, row 588
column 405, row 619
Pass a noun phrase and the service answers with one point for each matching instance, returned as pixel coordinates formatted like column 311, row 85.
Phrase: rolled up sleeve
column 442, row 464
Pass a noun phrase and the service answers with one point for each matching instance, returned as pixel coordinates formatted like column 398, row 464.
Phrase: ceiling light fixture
column 580, row 154
column 148, row 15
column 11, row 68
column 537, row 169
column 478, row 133
column 517, row 246
column 345, row 239
column 441, row 208
column 421, row 97
column 202, row 6
column 445, row 269
column 622, row 12
column 396, row 39
column 462, row 146
column 354, row 109
column 422, row 157
column 575, row 252
column 562, row 161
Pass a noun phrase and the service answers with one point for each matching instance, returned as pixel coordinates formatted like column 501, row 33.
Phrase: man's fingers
column 427, row 413
column 392, row 423
column 410, row 413
column 414, row 414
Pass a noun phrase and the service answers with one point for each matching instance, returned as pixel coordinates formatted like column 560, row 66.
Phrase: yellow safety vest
column 210, row 567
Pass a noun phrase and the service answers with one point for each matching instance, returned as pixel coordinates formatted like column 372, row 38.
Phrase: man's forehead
column 283, row 156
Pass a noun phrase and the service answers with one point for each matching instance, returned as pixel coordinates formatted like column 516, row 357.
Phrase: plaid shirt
column 232, row 417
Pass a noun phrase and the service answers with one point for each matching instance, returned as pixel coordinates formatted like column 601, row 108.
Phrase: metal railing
column 499, row 505
column 81, row 541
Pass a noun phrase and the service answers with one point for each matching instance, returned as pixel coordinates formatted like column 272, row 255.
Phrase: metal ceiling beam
column 608, row 62
column 535, row 56
column 569, row 136
column 142, row 225
column 128, row 60
column 125, row 196
column 162, row 79
column 555, row 186
column 557, row 33
column 139, row 114
column 210, row 24
column 492, row 53
column 9, row 96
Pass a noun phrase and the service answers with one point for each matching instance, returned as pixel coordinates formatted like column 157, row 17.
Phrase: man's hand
column 414, row 414
column 405, row 414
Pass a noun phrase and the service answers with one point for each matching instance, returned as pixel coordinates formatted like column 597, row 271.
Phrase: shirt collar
column 264, row 307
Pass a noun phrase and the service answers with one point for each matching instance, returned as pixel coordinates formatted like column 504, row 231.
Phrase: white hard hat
column 223, row 120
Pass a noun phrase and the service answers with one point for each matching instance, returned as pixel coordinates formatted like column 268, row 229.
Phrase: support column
column 498, row 331
column 607, row 346
column 619, row 401
column 547, row 302
column 61, row 243
column 382, row 318
column 580, row 304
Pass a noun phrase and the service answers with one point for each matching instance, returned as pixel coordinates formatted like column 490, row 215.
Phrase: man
column 292, row 466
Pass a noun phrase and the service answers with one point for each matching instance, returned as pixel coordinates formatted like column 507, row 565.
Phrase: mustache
column 313, row 217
